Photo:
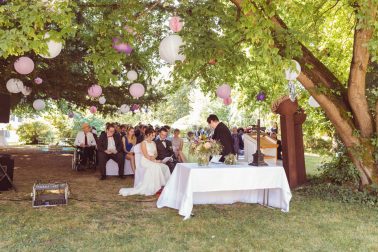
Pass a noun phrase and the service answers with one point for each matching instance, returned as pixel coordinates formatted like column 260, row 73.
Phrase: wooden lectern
column 291, row 119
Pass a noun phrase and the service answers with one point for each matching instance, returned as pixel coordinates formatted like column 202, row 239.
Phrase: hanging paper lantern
column 93, row 109
column 175, row 24
column 121, row 47
column 260, row 96
column 54, row 48
column 124, row 109
column 102, row 100
column 39, row 104
column 24, row 65
column 292, row 74
column 132, row 75
column 169, row 49
column 136, row 90
column 227, row 101
column 95, row 91
column 38, row 80
column 14, row 85
column 134, row 107
column 313, row 103
column 71, row 114
column 129, row 30
column 26, row 90
column 224, row 91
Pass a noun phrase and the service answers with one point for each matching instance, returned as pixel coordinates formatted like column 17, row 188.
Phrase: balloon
column 54, row 48
column 134, row 107
column 14, row 85
column 95, row 91
column 26, row 90
column 227, row 101
column 93, row 109
column 136, row 90
column 169, row 49
column 102, row 100
column 39, row 104
column 121, row 47
column 313, row 103
column 132, row 75
column 38, row 80
column 175, row 24
column 71, row 114
column 291, row 74
column 124, row 108
column 24, row 65
column 224, row 91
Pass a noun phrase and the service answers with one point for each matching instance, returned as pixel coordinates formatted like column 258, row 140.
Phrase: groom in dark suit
column 221, row 134
column 164, row 149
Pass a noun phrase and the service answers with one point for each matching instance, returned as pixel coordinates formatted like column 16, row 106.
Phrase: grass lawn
column 100, row 220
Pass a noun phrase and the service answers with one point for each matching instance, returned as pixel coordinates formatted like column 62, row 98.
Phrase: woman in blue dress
column 129, row 140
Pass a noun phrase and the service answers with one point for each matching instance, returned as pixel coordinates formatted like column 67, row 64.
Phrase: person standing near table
column 221, row 134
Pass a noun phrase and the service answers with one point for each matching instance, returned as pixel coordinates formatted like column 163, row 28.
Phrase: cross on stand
column 258, row 157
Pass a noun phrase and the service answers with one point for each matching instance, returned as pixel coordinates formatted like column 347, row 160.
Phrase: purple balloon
column 260, row 96
column 38, row 80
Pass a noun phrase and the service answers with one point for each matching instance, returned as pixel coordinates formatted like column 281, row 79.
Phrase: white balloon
column 54, row 48
column 291, row 74
column 170, row 47
column 14, row 85
column 26, row 90
column 124, row 108
column 132, row 75
column 39, row 104
column 102, row 100
column 313, row 103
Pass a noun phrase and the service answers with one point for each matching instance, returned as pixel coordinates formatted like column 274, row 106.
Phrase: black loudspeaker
column 8, row 164
column 5, row 104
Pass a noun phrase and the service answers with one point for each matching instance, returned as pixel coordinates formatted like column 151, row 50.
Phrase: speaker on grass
column 5, row 104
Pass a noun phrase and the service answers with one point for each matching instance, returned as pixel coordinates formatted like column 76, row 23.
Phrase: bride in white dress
column 156, row 173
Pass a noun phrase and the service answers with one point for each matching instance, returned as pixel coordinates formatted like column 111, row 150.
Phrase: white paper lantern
column 39, row 104
column 313, row 103
column 26, row 90
column 136, row 90
column 124, row 108
column 132, row 75
column 169, row 49
column 290, row 73
column 14, row 85
column 102, row 100
column 54, row 48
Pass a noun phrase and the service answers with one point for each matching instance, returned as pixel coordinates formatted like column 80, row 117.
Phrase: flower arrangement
column 230, row 159
column 203, row 148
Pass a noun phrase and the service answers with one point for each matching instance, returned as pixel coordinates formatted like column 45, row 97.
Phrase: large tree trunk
column 315, row 74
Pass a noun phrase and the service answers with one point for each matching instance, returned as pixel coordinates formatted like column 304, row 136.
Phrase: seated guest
column 156, row 174
column 123, row 128
column 221, row 134
column 86, row 143
column 178, row 144
column 140, row 137
column 164, row 149
column 110, row 147
column 190, row 136
column 241, row 142
column 129, row 140
column 235, row 140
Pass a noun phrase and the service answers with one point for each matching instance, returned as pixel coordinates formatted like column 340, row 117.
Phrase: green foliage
column 30, row 132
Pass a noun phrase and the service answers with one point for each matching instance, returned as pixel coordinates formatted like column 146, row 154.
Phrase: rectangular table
column 191, row 184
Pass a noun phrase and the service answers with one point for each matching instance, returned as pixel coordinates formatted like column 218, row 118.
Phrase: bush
column 30, row 132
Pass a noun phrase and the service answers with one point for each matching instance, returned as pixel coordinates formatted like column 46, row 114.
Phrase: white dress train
column 155, row 176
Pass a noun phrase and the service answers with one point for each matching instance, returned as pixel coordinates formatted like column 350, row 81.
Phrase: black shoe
column 103, row 177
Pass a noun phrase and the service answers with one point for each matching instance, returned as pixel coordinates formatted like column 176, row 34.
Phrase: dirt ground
column 33, row 165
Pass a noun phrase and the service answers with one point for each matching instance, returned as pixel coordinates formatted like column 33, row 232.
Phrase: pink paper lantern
column 129, row 30
column 134, row 107
column 95, row 91
column 24, row 65
column 121, row 47
column 175, row 24
column 38, row 80
column 227, row 101
column 224, row 91
column 136, row 90
column 93, row 109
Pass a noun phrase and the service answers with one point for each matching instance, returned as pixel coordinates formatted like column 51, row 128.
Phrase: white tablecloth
column 223, row 184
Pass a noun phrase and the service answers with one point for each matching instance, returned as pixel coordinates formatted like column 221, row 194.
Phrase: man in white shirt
column 110, row 147
column 86, row 143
